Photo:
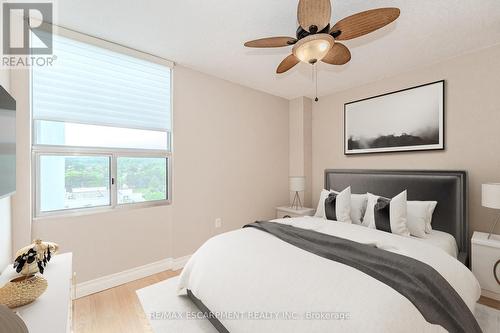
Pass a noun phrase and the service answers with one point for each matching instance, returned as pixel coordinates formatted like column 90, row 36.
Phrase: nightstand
column 285, row 212
column 486, row 263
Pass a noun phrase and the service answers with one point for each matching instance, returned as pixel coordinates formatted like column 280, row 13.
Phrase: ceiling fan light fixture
column 313, row 48
column 316, row 40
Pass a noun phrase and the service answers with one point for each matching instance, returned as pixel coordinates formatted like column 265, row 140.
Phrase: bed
column 251, row 281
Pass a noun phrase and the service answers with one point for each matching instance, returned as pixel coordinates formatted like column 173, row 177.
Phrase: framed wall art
column 406, row 120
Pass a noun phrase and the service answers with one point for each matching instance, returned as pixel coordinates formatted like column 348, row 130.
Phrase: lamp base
column 296, row 203
column 494, row 226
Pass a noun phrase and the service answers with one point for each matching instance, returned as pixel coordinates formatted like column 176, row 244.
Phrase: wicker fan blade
column 338, row 55
column 363, row 23
column 287, row 64
column 314, row 13
column 271, row 42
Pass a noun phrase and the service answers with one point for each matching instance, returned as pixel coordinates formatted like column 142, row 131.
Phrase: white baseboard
column 94, row 286
column 179, row 263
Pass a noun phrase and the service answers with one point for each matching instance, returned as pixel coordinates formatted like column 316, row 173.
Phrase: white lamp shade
column 297, row 184
column 491, row 196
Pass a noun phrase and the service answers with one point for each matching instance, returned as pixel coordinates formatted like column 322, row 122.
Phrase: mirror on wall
column 7, row 143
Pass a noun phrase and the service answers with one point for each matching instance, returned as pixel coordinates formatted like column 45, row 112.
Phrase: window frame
column 113, row 154
column 38, row 150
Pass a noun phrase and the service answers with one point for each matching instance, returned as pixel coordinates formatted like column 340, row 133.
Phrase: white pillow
column 416, row 221
column 342, row 205
column 320, row 210
column 396, row 214
column 420, row 217
column 358, row 207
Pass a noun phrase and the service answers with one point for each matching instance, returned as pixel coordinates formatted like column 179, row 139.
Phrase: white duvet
column 255, row 282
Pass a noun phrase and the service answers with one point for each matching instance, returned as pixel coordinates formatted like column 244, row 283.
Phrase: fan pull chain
column 315, row 77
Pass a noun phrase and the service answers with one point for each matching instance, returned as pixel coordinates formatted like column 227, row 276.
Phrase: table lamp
column 491, row 199
column 297, row 184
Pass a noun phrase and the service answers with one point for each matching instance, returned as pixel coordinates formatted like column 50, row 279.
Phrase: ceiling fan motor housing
column 302, row 33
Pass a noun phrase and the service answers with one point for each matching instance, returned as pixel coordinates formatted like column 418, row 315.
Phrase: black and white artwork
column 405, row 120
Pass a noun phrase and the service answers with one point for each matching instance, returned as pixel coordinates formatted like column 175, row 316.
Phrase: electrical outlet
column 218, row 223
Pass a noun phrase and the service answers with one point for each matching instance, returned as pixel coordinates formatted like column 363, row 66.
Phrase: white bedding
column 248, row 273
column 443, row 240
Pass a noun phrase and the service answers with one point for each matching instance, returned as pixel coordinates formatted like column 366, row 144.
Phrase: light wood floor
column 116, row 310
column 489, row 302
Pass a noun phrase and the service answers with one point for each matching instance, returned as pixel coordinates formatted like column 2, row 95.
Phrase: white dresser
column 286, row 212
column 486, row 263
column 51, row 312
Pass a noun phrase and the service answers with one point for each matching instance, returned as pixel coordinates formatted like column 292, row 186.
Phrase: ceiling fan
column 317, row 41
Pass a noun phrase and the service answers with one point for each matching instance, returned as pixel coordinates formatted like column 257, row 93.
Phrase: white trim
column 85, row 151
column 179, row 263
column 94, row 286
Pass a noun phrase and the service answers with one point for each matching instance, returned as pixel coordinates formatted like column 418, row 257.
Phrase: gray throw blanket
column 421, row 284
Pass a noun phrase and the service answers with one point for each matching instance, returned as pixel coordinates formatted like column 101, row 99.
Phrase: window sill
column 99, row 210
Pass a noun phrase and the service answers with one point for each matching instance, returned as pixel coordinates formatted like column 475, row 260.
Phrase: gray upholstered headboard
column 448, row 188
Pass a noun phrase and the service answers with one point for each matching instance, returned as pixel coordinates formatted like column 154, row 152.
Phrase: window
column 85, row 182
column 141, row 179
column 101, row 127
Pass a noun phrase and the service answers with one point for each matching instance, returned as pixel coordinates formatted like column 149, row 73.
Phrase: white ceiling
column 208, row 35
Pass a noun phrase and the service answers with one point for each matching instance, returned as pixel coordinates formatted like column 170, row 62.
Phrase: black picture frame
column 440, row 88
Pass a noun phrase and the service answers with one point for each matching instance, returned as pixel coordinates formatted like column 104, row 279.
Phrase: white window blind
column 92, row 85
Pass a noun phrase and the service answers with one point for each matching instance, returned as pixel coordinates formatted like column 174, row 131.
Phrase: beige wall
column 300, row 145
column 230, row 162
column 108, row 243
column 472, row 126
column 5, row 204
column 231, row 157
column 21, row 200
